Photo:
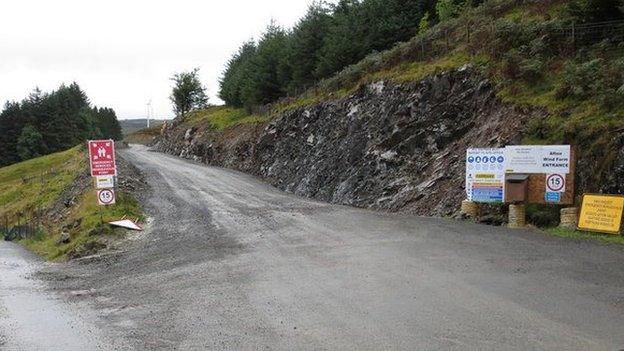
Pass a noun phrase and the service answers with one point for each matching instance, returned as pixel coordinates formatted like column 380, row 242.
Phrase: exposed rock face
column 387, row 146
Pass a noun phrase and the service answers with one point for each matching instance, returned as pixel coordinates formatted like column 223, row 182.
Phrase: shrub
column 539, row 128
column 511, row 64
column 595, row 10
column 578, row 78
column 597, row 78
column 531, row 69
column 543, row 215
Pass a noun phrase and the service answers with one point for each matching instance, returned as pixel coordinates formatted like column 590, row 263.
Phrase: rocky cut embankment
column 397, row 147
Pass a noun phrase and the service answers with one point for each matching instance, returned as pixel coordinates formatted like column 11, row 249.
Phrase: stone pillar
column 517, row 216
column 569, row 218
column 470, row 209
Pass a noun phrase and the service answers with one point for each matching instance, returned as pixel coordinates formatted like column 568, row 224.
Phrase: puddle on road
column 32, row 318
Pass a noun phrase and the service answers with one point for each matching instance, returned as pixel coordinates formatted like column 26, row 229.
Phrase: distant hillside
column 129, row 126
column 144, row 136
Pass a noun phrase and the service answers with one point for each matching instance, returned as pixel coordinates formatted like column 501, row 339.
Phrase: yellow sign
column 601, row 213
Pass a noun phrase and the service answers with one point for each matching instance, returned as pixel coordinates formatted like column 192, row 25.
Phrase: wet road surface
column 32, row 318
column 230, row 263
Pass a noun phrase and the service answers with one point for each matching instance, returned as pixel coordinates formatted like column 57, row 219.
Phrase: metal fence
column 564, row 38
column 493, row 39
column 22, row 225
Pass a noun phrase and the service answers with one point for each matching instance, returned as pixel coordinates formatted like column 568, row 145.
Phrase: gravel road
column 230, row 263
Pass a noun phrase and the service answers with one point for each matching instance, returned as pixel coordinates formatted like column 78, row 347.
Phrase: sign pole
column 104, row 169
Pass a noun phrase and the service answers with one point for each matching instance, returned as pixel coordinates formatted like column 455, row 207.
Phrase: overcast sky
column 123, row 52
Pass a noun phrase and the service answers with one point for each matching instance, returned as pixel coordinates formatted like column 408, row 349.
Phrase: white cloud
column 122, row 53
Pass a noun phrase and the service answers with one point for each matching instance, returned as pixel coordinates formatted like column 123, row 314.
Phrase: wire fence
column 493, row 39
column 29, row 221
column 562, row 38
column 21, row 225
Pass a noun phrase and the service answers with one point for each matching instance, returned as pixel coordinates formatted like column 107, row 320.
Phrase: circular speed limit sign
column 555, row 183
column 106, row 196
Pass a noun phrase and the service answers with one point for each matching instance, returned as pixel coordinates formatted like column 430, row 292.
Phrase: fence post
column 573, row 36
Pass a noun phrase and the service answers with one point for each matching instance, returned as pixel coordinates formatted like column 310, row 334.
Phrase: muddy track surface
column 230, row 263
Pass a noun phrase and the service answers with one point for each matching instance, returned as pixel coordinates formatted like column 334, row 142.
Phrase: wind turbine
column 149, row 112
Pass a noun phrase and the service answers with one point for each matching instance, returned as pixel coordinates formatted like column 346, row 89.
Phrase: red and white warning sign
column 102, row 157
column 555, row 182
column 106, row 196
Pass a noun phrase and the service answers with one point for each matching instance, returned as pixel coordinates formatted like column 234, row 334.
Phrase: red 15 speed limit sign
column 106, row 196
column 555, row 183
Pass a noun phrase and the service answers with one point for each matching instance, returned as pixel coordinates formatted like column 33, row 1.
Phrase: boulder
column 64, row 238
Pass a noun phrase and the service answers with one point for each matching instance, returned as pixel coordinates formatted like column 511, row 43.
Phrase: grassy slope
column 90, row 228
column 222, row 117
column 38, row 182
column 47, row 177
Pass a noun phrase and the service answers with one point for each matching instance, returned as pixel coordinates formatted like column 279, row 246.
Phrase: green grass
column 417, row 71
column 575, row 234
column 564, row 114
column 292, row 104
column 222, row 117
column 88, row 212
column 38, row 182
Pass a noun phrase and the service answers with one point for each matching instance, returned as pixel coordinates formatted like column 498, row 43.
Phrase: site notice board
column 485, row 174
column 550, row 170
column 601, row 213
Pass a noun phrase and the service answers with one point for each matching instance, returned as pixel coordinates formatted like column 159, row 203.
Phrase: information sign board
column 485, row 174
column 537, row 159
column 601, row 213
